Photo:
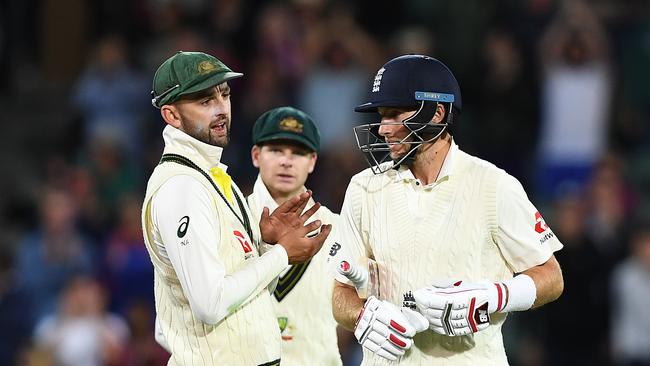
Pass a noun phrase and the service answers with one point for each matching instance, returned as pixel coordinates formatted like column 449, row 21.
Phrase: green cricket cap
column 186, row 73
column 287, row 123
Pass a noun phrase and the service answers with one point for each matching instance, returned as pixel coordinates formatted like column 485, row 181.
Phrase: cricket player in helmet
column 454, row 242
column 429, row 84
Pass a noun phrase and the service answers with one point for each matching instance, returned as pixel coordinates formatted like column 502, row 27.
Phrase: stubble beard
column 204, row 133
column 220, row 141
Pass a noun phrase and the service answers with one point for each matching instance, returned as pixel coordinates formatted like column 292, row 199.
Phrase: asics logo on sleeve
column 182, row 228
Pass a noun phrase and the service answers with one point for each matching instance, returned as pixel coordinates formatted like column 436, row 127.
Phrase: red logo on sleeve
column 245, row 244
column 540, row 224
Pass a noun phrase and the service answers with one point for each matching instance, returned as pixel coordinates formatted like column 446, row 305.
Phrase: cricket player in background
column 211, row 278
column 286, row 143
column 455, row 240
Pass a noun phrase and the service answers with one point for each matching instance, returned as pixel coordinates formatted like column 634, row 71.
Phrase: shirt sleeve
column 524, row 238
column 184, row 214
column 350, row 241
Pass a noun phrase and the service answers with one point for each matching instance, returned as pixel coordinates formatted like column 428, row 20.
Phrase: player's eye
column 225, row 92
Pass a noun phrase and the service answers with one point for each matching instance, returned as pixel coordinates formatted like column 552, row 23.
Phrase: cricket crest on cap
column 186, row 73
column 291, row 124
column 206, row 67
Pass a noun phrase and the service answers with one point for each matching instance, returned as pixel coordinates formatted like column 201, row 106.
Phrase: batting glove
column 383, row 329
column 460, row 309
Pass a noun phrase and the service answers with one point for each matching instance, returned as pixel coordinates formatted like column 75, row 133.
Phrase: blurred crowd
column 555, row 92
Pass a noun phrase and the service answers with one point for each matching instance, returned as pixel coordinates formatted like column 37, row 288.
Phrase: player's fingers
column 460, row 304
column 265, row 214
column 437, row 329
column 402, row 326
column 318, row 240
column 458, row 324
column 417, row 320
column 381, row 329
column 399, row 341
column 392, row 344
column 432, row 313
column 461, row 331
column 458, row 314
column 310, row 212
column 312, row 226
column 435, row 321
column 325, row 231
column 387, row 355
column 302, row 203
column 426, row 298
column 396, row 321
column 377, row 349
column 288, row 205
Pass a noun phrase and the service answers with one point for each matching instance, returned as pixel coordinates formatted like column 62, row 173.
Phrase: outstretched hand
column 287, row 217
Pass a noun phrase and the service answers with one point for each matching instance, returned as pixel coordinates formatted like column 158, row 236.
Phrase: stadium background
column 557, row 93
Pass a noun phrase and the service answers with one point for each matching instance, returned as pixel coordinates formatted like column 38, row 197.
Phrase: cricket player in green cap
column 286, row 142
column 212, row 276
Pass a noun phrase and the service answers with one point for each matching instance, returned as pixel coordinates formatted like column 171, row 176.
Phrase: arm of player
column 192, row 251
column 346, row 305
column 526, row 242
column 549, row 282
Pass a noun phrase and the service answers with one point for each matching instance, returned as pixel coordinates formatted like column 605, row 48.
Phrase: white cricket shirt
column 473, row 223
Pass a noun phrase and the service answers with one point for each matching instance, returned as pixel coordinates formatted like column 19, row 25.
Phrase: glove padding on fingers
column 383, row 329
column 417, row 320
column 457, row 310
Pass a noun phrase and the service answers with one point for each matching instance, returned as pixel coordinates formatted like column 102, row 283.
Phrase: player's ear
column 255, row 155
column 171, row 115
column 312, row 161
column 440, row 114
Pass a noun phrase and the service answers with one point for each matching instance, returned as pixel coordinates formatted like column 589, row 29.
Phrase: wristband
column 516, row 294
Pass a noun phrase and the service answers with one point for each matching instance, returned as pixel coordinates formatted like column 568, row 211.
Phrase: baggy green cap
column 287, row 123
column 186, row 73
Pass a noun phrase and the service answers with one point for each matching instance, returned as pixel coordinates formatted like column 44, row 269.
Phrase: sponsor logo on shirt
column 182, row 228
column 244, row 242
column 335, row 248
column 546, row 237
column 540, row 224
column 542, row 228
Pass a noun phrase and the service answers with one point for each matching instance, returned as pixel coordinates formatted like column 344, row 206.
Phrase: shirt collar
column 263, row 195
column 182, row 142
column 404, row 173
